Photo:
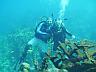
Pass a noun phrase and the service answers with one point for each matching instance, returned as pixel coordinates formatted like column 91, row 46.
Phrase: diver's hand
column 73, row 36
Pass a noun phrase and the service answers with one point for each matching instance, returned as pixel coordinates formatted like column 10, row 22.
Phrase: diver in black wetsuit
column 37, row 43
column 59, row 33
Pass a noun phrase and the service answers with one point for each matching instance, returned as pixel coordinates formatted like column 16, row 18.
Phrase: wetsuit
column 43, row 31
column 59, row 35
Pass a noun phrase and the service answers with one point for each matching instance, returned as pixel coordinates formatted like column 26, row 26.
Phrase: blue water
column 81, row 15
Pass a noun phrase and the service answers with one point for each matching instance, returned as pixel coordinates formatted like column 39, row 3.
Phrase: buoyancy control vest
column 44, row 27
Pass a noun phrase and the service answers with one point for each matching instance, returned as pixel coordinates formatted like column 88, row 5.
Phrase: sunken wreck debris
column 72, row 56
column 76, row 56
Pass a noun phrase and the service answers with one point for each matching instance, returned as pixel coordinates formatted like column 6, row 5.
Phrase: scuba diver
column 59, row 33
column 42, row 36
column 38, row 43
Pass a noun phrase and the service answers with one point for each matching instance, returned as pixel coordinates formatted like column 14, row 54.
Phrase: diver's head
column 58, row 21
column 49, row 20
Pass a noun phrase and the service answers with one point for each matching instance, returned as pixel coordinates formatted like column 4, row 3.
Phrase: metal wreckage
column 81, row 56
column 74, row 56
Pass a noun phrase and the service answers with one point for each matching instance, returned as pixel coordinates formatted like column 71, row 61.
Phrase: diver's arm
column 73, row 36
column 67, row 32
column 38, row 29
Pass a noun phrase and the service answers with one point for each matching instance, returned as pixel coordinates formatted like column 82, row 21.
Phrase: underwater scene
column 47, row 35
